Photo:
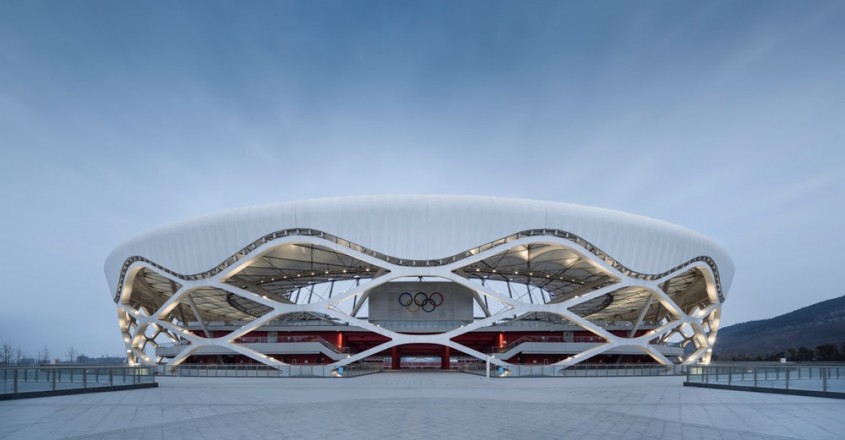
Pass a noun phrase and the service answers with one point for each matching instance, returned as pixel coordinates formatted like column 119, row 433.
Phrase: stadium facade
column 410, row 281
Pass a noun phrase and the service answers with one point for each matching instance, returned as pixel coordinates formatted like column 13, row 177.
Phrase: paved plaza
column 423, row 405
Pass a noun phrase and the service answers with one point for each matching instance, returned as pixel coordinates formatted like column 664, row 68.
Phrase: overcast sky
column 118, row 117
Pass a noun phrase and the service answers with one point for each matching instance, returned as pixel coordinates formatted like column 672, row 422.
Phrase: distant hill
column 818, row 324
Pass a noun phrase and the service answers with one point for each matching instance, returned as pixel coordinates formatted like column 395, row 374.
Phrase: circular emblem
column 421, row 300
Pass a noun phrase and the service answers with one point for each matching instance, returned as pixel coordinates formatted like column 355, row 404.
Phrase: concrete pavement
column 423, row 405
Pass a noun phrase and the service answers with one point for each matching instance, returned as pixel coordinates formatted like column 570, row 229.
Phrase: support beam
column 395, row 358
column 198, row 315
column 262, row 291
column 360, row 302
column 586, row 288
column 648, row 303
column 481, row 303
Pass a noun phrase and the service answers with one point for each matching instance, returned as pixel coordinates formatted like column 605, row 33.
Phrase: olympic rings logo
column 421, row 300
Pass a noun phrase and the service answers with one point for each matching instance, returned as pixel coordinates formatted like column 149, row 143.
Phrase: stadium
column 410, row 282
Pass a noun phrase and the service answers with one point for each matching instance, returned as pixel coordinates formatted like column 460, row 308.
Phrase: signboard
column 420, row 301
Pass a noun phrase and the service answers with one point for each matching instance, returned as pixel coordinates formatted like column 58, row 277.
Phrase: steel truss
column 697, row 326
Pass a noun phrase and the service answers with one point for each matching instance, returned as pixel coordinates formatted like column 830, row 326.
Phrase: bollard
column 823, row 372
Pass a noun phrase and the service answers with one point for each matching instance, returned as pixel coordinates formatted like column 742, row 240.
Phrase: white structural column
column 697, row 327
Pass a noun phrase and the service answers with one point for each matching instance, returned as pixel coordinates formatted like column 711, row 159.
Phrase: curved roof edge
column 420, row 227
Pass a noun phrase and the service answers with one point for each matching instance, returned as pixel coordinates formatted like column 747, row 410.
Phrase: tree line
column 822, row 353
column 15, row 356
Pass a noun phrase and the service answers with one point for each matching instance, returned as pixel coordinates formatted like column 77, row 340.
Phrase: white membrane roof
column 420, row 228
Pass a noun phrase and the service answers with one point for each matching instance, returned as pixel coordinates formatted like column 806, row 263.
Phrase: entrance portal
column 420, row 357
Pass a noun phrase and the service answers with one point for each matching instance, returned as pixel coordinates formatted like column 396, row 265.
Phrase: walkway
column 423, row 405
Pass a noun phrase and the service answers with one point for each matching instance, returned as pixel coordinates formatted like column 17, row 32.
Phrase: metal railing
column 621, row 370
column 792, row 379
column 48, row 379
column 556, row 339
column 390, row 324
column 562, row 339
column 278, row 340
column 361, row 369
column 319, row 339
column 580, row 370
column 261, row 370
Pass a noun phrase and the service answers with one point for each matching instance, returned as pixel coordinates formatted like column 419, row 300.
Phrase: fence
column 260, row 370
column 815, row 380
column 558, row 339
column 18, row 382
column 274, row 340
column 580, row 370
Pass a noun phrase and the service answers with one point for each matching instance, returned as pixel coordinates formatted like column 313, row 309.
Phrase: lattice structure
column 564, row 276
